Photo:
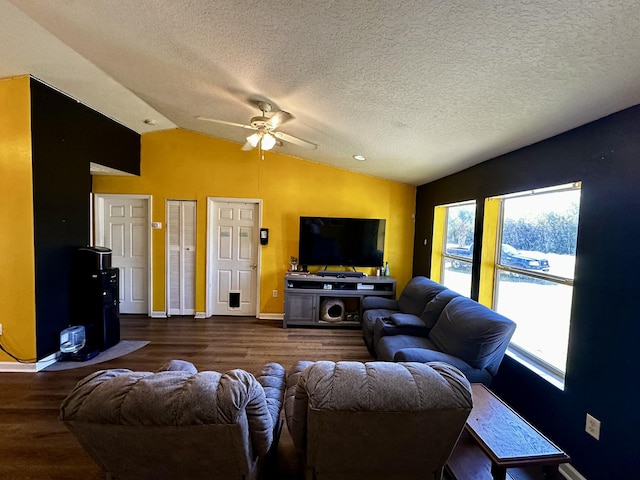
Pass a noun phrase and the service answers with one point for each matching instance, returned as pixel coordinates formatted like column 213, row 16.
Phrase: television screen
column 349, row 242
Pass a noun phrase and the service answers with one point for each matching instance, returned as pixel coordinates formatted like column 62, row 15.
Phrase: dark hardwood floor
column 35, row 445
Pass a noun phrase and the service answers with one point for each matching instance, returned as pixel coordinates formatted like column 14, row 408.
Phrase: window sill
column 550, row 376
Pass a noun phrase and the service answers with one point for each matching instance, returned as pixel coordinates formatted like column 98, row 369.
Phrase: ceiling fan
column 265, row 136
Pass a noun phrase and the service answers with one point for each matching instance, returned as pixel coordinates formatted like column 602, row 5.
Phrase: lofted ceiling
column 421, row 88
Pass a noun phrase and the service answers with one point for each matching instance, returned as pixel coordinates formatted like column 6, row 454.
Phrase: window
column 534, row 270
column 457, row 246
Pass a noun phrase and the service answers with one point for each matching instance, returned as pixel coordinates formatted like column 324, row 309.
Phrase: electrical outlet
column 0, row 329
column 275, row 293
column 592, row 427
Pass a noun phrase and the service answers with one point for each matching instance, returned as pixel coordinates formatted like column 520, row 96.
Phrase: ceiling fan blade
column 295, row 140
column 279, row 118
column 247, row 146
column 223, row 122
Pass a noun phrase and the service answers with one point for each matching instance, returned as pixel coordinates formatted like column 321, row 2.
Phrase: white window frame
column 547, row 371
column 456, row 258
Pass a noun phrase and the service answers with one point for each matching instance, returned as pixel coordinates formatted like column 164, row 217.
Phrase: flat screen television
column 348, row 242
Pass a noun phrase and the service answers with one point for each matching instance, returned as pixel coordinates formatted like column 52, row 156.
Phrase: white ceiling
column 421, row 88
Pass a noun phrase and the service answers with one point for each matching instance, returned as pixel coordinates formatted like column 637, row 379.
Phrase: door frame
column 98, row 225
column 211, row 223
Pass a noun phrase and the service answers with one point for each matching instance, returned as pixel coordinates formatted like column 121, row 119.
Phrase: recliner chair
column 376, row 420
column 407, row 314
column 177, row 423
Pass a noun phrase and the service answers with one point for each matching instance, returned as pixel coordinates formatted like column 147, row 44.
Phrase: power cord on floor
column 17, row 359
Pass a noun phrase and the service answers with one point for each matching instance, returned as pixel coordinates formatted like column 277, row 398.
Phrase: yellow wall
column 491, row 223
column 17, row 263
column 439, row 225
column 179, row 164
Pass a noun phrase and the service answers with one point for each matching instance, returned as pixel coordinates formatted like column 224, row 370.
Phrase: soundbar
column 329, row 273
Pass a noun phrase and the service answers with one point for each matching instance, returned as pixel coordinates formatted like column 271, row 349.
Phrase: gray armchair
column 177, row 423
column 375, row 420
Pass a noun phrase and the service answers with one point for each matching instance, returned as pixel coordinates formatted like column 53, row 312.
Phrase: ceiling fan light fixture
column 268, row 141
column 254, row 139
column 265, row 133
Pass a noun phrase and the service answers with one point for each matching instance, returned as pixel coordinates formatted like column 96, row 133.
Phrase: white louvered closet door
column 181, row 261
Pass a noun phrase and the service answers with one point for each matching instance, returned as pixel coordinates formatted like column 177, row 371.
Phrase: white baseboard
column 271, row 316
column 17, row 367
column 570, row 473
column 200, row 315
column 158, row 315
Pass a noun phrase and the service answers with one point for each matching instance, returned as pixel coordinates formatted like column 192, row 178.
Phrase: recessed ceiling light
column 150, row 121
column 360, row 158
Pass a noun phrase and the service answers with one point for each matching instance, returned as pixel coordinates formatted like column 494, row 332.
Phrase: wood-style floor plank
column 35, row 445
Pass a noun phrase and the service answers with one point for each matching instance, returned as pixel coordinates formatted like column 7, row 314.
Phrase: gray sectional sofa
column 430, row 323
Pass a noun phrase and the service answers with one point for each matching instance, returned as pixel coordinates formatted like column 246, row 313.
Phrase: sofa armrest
column 399, row 324
column 272, row 379
column 407, row 320
column 374, row 302
column 295, row 406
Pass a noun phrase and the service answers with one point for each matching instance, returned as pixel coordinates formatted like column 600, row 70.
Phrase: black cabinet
column 95, row 299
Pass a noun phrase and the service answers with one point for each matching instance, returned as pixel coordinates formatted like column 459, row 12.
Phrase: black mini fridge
column 95, row 301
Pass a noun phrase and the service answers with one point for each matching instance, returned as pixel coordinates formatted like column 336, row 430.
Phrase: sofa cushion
column 417, row 293
column 474, row 375
column 471, row 332
column 434, row 308
column 387, row 346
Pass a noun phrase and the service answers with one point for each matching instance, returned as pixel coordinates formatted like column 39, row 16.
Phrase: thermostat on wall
column 156, row 225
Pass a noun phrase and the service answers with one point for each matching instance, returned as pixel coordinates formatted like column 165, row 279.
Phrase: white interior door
column 122, row 224
column 233, row 257
column 181, row 253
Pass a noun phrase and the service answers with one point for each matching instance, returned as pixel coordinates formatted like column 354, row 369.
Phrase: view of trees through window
column 544, row 231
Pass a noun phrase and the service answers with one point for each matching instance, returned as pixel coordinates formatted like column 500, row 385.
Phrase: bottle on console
column 386, row 269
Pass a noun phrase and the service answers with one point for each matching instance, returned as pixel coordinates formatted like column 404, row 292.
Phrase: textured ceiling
column 421, row 88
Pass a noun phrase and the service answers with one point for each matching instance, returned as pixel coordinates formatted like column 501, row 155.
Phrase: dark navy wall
column 66, row 137
column 604, row 353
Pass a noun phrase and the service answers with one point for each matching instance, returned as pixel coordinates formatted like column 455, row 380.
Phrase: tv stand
column 327, row 301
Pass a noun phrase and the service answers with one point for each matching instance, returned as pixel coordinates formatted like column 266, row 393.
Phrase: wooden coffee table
column 496, row 438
